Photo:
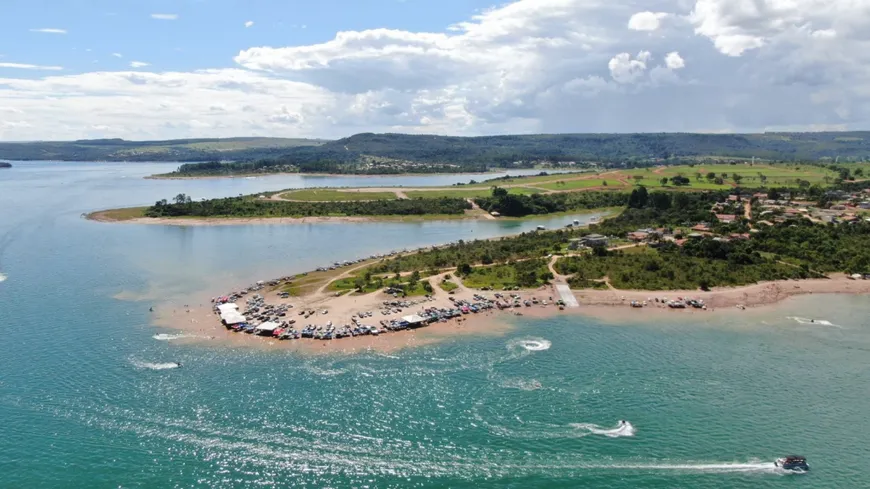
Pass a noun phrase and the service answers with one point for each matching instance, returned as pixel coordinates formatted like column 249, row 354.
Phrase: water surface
column 90, row 398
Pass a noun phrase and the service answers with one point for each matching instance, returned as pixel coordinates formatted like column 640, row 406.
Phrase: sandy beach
column 197, row 323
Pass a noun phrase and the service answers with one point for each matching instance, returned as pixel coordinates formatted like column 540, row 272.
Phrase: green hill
column 171, row 150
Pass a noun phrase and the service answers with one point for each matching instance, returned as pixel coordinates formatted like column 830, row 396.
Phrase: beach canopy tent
column 226, row 308
column 267, row 326
column 414, row 319
column 232, row 317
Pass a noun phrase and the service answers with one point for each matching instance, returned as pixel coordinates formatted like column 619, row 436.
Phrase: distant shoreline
column 169, row 176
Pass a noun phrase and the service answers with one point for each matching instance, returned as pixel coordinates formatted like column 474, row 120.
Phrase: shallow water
column 92, row 395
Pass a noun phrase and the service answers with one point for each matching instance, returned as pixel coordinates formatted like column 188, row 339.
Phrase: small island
column 5, row 164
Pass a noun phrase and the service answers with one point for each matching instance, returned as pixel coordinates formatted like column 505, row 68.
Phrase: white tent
column 414, row 319
column 267, row 326
column 233, row 317
column 228, row 307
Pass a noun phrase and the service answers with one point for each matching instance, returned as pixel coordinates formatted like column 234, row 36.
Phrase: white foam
column 154, row 366
column 724, row 467
column 521, row 384
column 3, row 277
column 170, row 337
column 531, row 344
column 820, row 322
column 621, row 429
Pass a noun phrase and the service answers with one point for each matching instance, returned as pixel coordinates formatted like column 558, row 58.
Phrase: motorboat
column 792, row 462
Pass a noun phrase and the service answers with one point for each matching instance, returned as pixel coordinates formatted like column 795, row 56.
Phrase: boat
column 541, row 228
column 792, row 462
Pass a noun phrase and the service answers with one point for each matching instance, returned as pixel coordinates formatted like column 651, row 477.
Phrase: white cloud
column 139, row 64
column 525, row 66
column 249, row 23
column 674, row 61
column 646, row 21
column 164, row 16
column 118, row 55
column 623, row 69
column 25, row 66
column 49, row 31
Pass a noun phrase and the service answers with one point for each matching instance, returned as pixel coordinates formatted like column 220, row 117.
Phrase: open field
column 465, row 194
column 330, row 195
column 592, row 182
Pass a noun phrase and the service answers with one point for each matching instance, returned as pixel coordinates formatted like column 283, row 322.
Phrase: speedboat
column 792, row 462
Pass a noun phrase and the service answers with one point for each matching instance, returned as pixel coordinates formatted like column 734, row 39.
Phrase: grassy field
column 498, row 277
column 612, row 183
column 125, row 214
column 465, row 194
column 331, row 195
column 447, row 285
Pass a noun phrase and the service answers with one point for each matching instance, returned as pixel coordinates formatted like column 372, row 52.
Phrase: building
column 590, row 240
column 726, row 218
column 638, row 236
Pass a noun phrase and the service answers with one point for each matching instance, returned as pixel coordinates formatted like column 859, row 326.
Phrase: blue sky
column 156, row 69
column 206, row 33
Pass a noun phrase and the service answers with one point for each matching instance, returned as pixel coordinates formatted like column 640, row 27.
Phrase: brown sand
column 203, row 325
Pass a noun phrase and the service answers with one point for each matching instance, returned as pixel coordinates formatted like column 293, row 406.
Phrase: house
column 638, row 236
column 738, row 236
column 590, row 240
column 726, row 218
column 733, row 198
column 701, row 228
column 864, row 205
column 696, row 236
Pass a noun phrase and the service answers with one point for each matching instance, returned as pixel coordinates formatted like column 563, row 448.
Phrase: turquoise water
column 87, row 400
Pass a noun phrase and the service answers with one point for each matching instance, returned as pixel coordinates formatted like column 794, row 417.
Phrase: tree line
column 184, row 206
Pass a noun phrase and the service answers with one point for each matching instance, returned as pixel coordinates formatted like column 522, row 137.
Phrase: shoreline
column 199, row 325
column 167, row 176
column 105, row 216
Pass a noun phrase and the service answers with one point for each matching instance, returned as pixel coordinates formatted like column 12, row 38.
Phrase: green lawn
column 332, row 195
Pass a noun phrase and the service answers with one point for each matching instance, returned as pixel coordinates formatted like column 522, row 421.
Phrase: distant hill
column 599, row 147
column 172, row 150
column 373, row 152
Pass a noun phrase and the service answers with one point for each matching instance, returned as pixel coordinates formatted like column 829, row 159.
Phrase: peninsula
column 667, row 251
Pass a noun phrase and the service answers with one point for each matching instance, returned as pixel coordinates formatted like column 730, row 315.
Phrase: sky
column 164, row 69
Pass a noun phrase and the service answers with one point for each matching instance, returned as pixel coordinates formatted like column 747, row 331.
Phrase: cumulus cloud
column 525, row 66
column 623, row 69
column 674, row 61
column 646, row 21
column 164, row 16
column 49, row 31
column 139, row 64
column 249, row 23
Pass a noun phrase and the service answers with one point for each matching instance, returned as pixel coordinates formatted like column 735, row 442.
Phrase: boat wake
column 530, row 344
column 820, row 322
column 170, row 337
column 725, row 467
column 623, row 428
column 155, row 366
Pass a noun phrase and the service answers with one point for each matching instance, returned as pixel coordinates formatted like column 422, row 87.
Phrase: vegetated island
column 402, row 153
column 5, row 164
column 668, row 251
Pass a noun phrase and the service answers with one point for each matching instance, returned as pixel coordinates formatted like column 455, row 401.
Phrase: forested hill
column 604, row 147
column 171, row 150
column 379, row 150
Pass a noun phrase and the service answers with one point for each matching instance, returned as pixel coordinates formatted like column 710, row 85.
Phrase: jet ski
column 792, row 462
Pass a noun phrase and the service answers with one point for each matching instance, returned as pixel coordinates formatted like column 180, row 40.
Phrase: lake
column 88, row 398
